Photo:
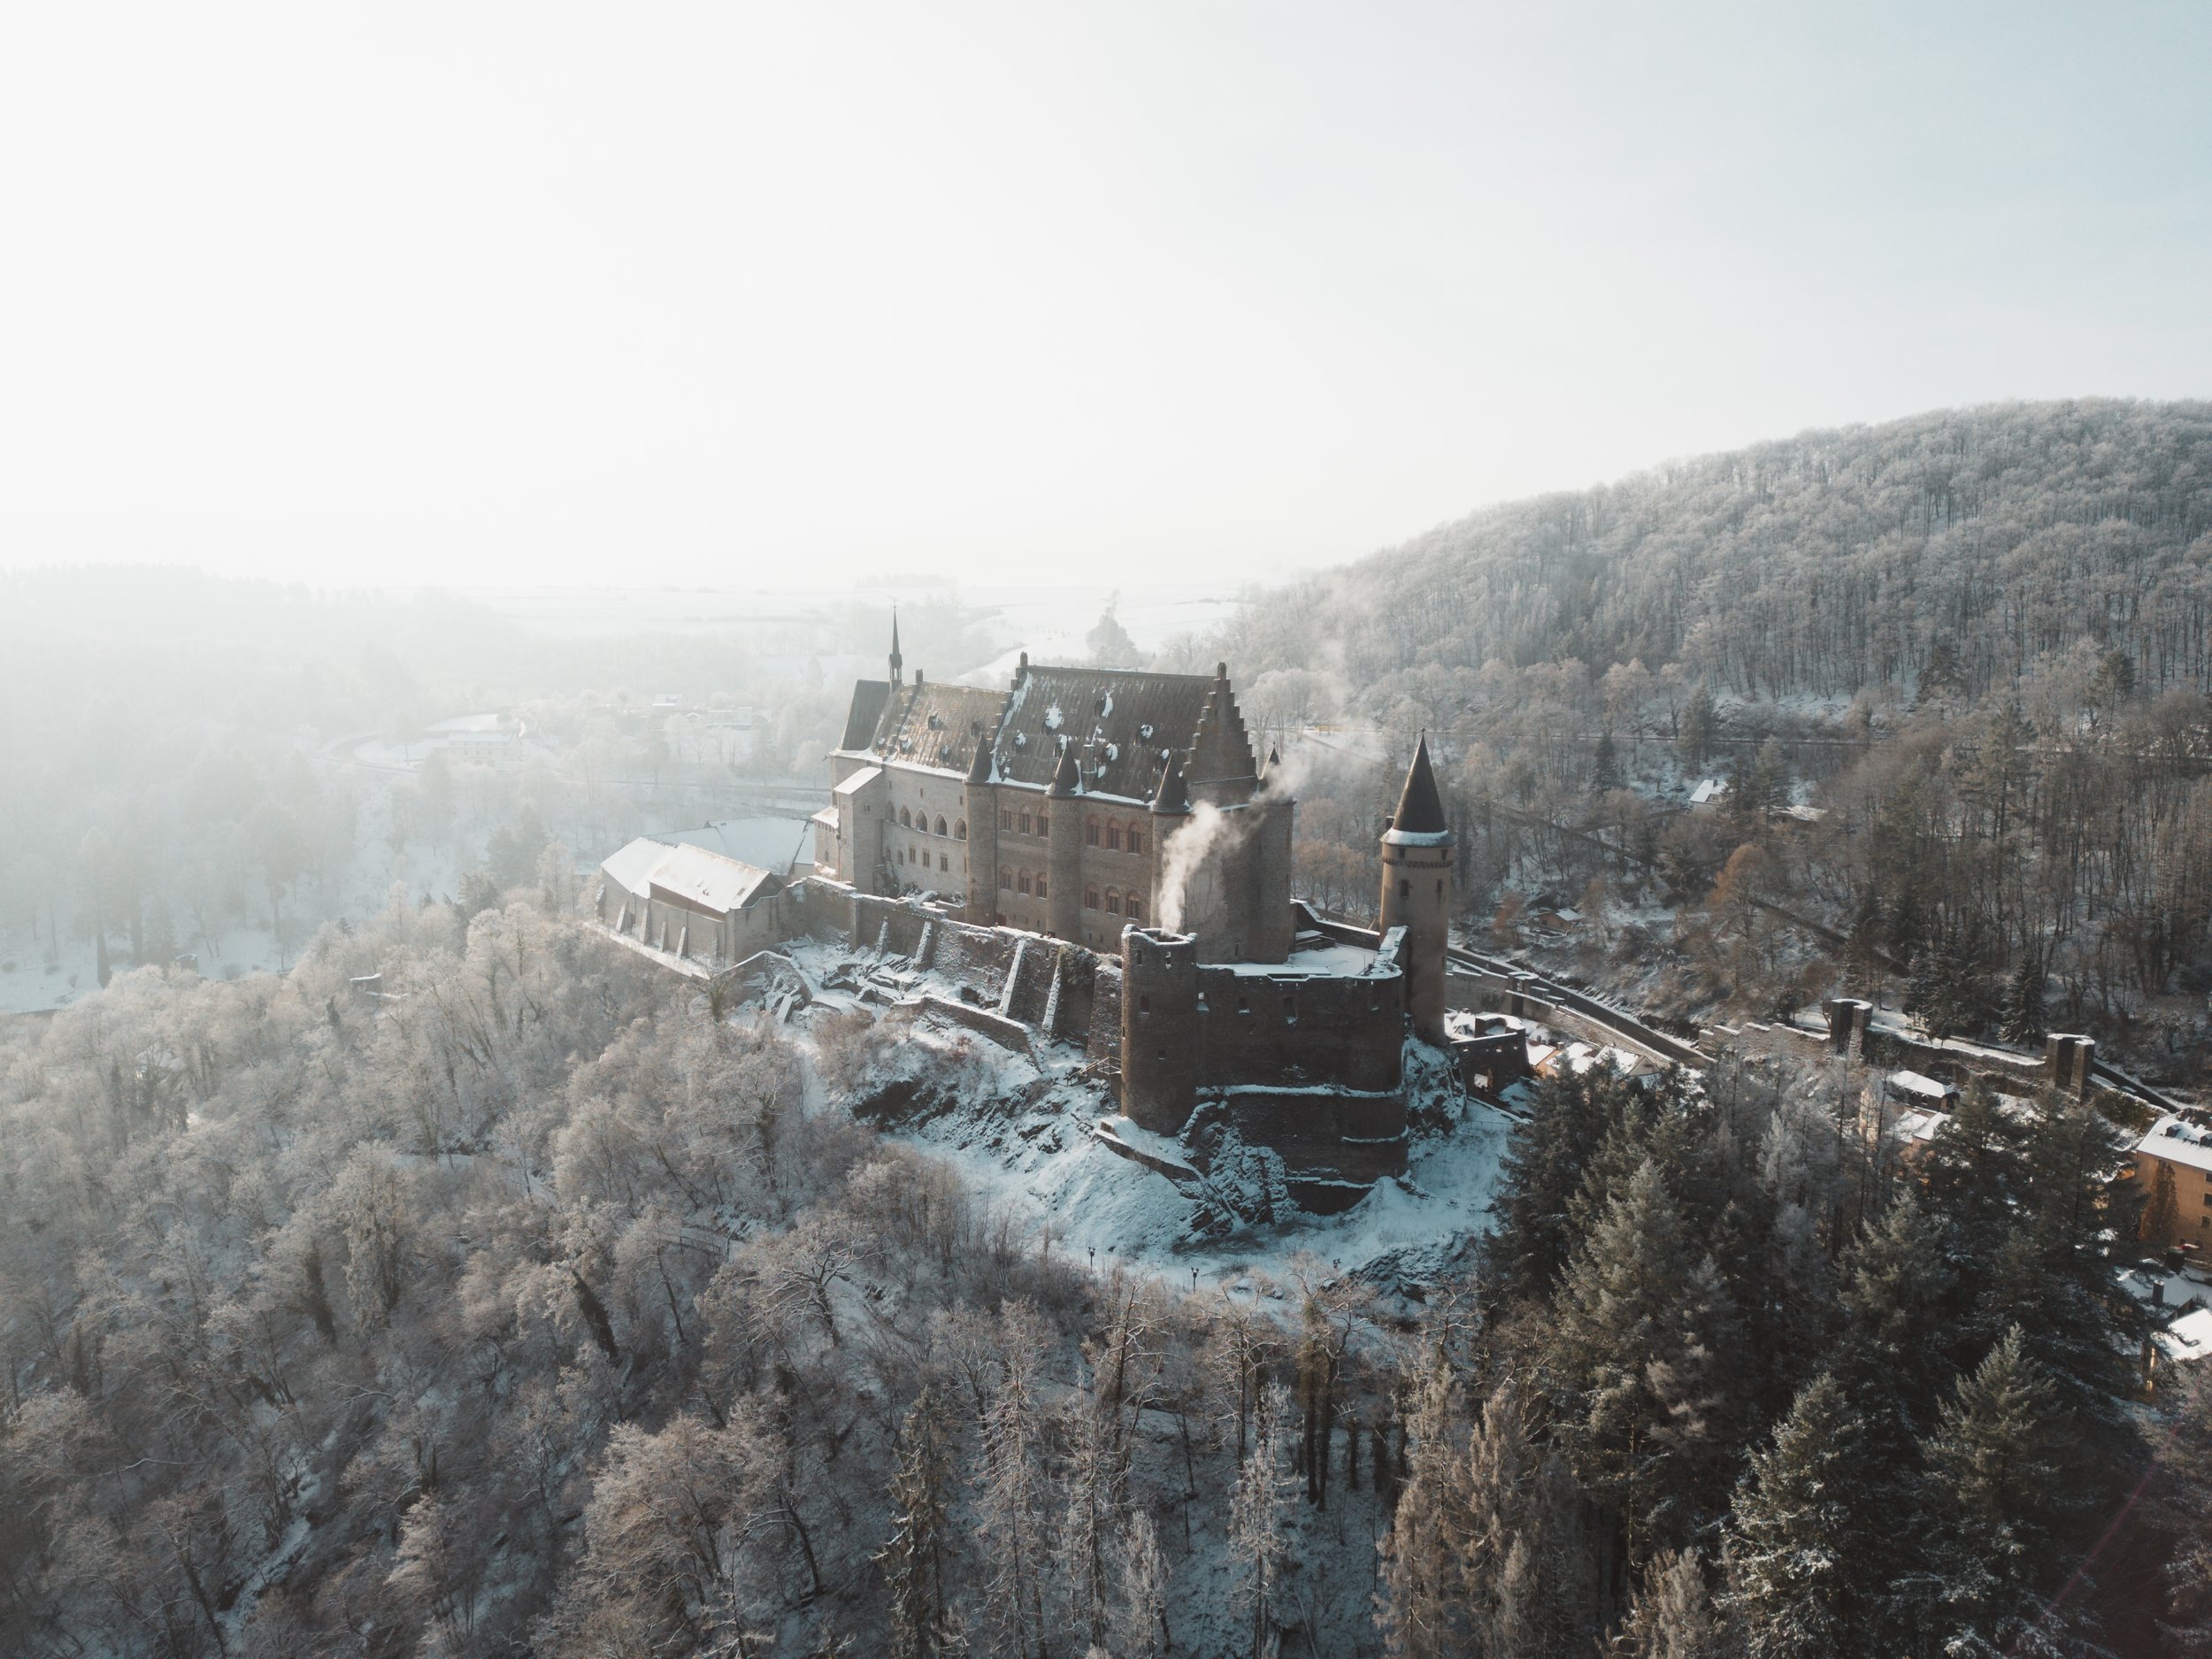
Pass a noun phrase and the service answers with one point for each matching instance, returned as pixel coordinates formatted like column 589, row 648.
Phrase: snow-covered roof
column 1921, row 1126
column 2187, row 1338
column 1711, row 789
column 773, row 844
column 2177, row 1141
column 858, row 781
column 1919, row 1086
column 630, row 867
column 690, row 873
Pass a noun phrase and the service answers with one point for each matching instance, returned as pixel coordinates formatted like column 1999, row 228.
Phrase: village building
column 2173, row 1168
column 691, row 902
column 1072, row 803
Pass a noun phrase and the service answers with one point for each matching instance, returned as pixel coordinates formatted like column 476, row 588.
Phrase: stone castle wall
column 1295, row 1030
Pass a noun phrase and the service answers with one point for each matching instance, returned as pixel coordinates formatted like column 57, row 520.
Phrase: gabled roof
column 1420, row 812
column 1119, row 728
column 705, row 879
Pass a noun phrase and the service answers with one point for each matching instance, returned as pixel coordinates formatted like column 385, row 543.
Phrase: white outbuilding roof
column 691, row 875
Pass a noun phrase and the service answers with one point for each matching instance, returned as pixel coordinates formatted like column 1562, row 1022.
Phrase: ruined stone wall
column 1300, row 1030
column 1104, row 1044
column 1335, row 1145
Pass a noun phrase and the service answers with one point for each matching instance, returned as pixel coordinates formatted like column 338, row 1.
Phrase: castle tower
column 1417, row 892
column 981, row 800
column 1063, row 848
column 1268, row 851
column 1171, row 810
column 898, row 663
column 1160, row 1034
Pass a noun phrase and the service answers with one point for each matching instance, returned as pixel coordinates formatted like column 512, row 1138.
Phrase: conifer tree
column 1422, row 1610
column 2184, row 1497
column 1543, row 1168
column 1700, row 720
column 1919, row 999
column 1627, row 1347
column 1800, row 1552
column 2022, row 1018
column 1992, row 1503
column 1673, row 1616
column 2162, row 1215
column 1500, row 1464
column 1605, row 771
column 1862, row 945
column 913, row 1562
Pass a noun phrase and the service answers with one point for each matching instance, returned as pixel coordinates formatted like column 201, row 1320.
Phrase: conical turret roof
column 1420, row 805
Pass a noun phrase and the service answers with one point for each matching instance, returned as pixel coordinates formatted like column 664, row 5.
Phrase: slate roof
column 1121, row 725
column 869, row 696
column 1420, row 807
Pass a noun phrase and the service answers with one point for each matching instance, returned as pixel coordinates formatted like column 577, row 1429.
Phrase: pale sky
column 725, row 294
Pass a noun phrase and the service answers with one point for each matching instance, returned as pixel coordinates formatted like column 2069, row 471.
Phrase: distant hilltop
column 1813, row 566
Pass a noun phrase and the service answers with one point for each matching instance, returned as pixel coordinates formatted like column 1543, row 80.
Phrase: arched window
column 1113, row 902
column 1113, row 837
column 1041, row 885
column 1006, row 879
column 1021, row 881
column 1024, row 823
column 1090, row 898
column 940, row 826
column 1134, row 909
column 1090, row 833
column 1044, row 824
column 1136, row 837
column 1006, row 817
column 960, row 830
column 906, row 817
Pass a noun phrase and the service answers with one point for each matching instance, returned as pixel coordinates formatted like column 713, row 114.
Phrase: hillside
column 1818, row 564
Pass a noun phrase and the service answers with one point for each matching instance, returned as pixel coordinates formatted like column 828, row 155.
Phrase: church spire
column 898, row 663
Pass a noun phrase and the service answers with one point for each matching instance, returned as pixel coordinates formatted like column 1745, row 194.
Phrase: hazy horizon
column 499, row 299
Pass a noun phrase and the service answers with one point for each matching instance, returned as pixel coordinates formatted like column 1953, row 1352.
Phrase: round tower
column 1417, row 892
column 1159, row 1028
column 1063, row 849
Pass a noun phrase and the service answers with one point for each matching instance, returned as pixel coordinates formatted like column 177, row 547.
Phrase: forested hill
column 1818, row 564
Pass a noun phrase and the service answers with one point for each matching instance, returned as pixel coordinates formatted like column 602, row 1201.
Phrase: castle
column 1053, row 806
column 1096, row 856
column 1126, row 814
